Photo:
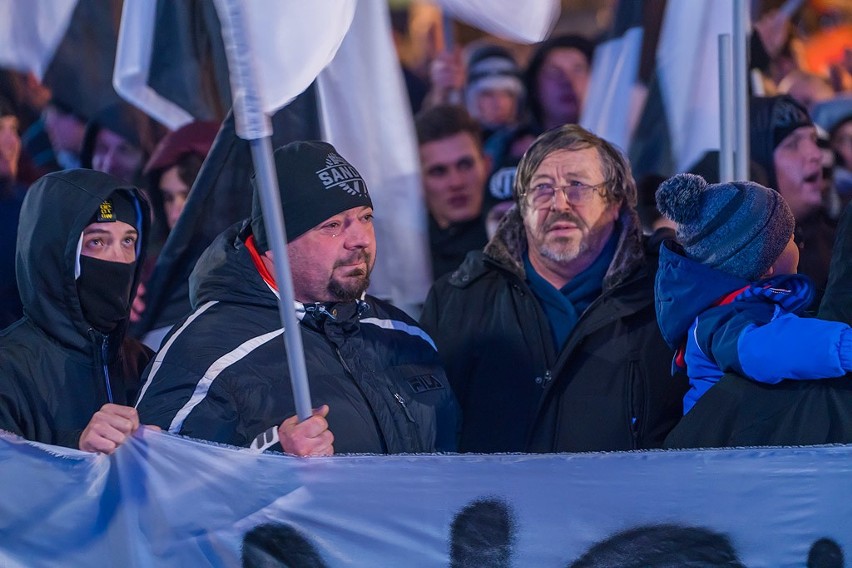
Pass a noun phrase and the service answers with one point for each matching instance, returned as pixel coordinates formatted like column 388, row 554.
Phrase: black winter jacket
column 222, row 373
column 609, row 388
column 55, row 370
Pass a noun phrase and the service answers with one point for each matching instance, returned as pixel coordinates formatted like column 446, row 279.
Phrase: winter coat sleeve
column 766, row 345
column 452, row 344
column 178, row 400
column 10, row 417
column 837, row 302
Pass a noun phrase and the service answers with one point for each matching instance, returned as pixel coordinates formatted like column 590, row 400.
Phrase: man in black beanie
column 783, row 143
column 67, row 371
column 222, row 373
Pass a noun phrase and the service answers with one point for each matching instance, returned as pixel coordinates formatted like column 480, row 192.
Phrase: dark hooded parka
column 56, row 369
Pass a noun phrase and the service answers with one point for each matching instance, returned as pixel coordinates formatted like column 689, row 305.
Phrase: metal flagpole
column 741, row 118
column 726, row 111
column 448, row 26
column 255, row 126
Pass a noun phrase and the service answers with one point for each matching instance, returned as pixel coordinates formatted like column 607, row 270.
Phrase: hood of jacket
column 509, row 243
column 125, row 120
column 225, row 272
column 55, row 211
column 685, row 288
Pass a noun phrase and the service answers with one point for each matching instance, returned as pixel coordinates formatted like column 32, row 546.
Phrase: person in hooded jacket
column 67, row 371
column 118, row 140
column 730, row 299
column 222, row 373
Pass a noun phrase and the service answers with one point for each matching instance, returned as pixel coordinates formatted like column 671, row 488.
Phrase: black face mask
column 104, row 289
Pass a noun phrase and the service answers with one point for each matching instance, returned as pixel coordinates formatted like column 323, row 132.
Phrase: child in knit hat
column 729, row 299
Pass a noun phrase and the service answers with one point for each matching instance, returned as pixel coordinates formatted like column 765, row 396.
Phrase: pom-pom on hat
column 740, row 228
column 315, row 183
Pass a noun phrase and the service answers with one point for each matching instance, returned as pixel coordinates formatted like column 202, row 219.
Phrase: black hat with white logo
column 315, row 183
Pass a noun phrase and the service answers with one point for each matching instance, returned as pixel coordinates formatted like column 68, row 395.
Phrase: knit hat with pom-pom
column 740, row 228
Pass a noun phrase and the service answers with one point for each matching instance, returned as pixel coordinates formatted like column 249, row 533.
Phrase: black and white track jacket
column 222, row 373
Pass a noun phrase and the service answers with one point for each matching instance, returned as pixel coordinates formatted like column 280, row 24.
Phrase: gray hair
column 620, row 187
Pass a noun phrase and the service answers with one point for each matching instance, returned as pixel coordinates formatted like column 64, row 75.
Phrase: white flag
column 524, row 22
column 286, row 45
column 366, row 115
column 133, row 61
column 30, row 32
column 688, row 69
column 610, row 110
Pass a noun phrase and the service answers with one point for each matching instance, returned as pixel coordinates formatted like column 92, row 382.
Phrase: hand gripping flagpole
column 254, row 125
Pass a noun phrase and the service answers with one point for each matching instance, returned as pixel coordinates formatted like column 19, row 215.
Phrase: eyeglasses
column 543, row 195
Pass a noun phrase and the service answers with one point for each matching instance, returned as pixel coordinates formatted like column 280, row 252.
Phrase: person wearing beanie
column 835, row 118
column 173, row 167
column 728, row 295
column 169, row 176
column 67, row 371
column 374, row 374
column 494, row 92
column 783, row 143
column 118, row 141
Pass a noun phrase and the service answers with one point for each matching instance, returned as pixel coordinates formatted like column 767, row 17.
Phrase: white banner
column 163, row 500
column 528, row 22
column 365, row 114
column 30, row 32
column 609, row 110
column 688, row 67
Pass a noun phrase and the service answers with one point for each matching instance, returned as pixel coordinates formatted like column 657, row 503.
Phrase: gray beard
column 560, row 253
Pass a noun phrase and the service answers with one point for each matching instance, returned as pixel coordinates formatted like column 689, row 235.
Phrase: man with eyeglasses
column 549, row 335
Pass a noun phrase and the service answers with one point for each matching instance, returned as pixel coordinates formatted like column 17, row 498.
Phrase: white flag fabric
column 30, row 32
column 688, row 69
column 365, row 114
column 286, row 44
column 524, row 22
column 276, row 50
column 608, row 111
column 163, row 500
column 133, row 61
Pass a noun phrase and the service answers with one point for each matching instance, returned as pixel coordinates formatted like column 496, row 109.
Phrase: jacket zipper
column 404, row 406
column 544, row 380
column 634, row 382
column 343, row 362
column 103, row 349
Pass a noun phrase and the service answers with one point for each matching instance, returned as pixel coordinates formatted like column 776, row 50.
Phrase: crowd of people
column 560, row 319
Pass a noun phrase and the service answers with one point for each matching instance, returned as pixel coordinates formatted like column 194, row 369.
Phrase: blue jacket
column 758, row 335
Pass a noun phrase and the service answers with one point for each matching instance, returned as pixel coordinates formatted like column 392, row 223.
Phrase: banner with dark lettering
column 162, row 500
